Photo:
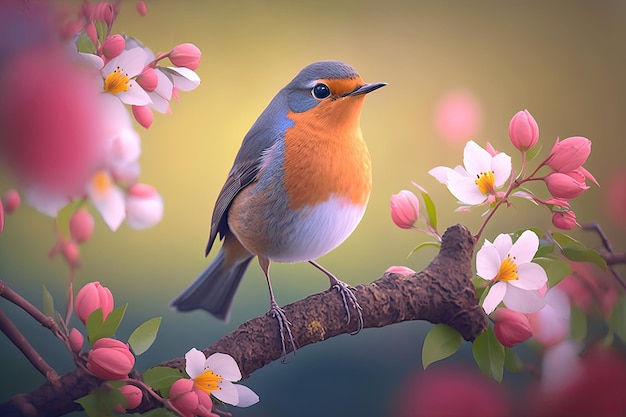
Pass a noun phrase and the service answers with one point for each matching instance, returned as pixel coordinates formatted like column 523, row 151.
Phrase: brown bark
column 441, row 293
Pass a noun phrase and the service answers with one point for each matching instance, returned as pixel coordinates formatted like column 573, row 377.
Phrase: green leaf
column 533, row 152
column 96, row 329
column 441, row 341
column 578, row 324
column 48, row 303
column 489, row 354
column 579, row 253
column 431, row 210
column 512, row 362
column 618, row 318
column 100, row 402
column 436, row 245
column 143, row 336
column 562, row 239
column 159, row 412
column 161, row 378
column 85, row 44
column 557, row 269
column 545, row 248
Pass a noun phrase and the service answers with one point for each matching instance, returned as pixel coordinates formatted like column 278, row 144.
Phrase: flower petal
column 183, row 78
column 525, row 248
column 440, row 174
column 496, row 294
column 503, row 243
column 476, row 159
column 487, row 261
column 109, row 200
column 135, row 95
column 501, row 167
column 226, row 392
column 131, row 61
column 465, row 189
column 523, row 301
column 247, row 397
column 224, row 365
column 531, row 277
column 194, row 362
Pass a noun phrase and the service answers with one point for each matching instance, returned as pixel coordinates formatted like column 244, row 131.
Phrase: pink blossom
column 71, row 253
column 133, row 396
column 590, row 289
column 569, row 154
column 81, row 225
column 564, row 220
column 11, row 201
column 142, row 9
column 550, row 325
column 144, row 206
column 189, row 400
column 143, row 115
column 510, row 327
column 400, row 270
column 113, row 46
column 76, row 340
column 458, row 116
column 110, row 359
column 105, row 12
column 92, row 297
column 405, row 209
column 523, row 131
column 564, row 186
column 185, row 55
column 46, row 125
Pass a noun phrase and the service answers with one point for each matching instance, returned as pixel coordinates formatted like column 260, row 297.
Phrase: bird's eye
column 320, row 91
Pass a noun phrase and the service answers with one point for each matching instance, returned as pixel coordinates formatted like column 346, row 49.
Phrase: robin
column 297, row 189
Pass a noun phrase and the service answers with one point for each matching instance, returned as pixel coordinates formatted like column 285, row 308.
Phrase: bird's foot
column 349, row 300
column 284, row 327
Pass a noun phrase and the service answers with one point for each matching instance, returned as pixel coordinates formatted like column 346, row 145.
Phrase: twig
column 609, row 256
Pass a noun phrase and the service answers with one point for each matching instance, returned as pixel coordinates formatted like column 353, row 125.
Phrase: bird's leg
column 347, row 293
column 276, row 311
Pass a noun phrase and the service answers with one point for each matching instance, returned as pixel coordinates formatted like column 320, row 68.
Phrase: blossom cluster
column 71, row 144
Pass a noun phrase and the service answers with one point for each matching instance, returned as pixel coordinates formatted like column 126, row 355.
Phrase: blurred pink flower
column 110, row 359
column 142, row 9
column 92, row 297
column 144, row 206
column 451, row 391
column 590, row 289
column 143, row 115
column 81, row 225
column 523, row 130
column 457, row 116
column 550, row 325
column 11, row 201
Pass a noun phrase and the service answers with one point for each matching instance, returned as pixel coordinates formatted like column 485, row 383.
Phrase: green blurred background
column 562, row 60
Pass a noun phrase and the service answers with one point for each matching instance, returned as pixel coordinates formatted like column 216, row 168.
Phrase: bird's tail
column 214, row 290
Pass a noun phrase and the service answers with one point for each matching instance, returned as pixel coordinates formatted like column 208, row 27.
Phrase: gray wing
column 267, row 129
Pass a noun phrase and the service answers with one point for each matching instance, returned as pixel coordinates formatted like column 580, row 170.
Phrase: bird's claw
column 283, row 324
column 347, row 294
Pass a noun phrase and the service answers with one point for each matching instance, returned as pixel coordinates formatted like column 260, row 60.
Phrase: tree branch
column 441, row 293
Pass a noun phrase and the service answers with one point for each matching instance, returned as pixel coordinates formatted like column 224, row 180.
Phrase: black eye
column 320, row 91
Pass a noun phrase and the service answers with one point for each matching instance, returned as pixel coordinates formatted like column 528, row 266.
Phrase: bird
column 298, row 187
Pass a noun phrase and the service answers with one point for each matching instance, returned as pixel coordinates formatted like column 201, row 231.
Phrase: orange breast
column 325, row 154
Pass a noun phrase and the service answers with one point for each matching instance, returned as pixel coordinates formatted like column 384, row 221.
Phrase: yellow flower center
column 101, row 181
column 116, row 82
column 207, row 381
column 485, row 182
column 508, row 270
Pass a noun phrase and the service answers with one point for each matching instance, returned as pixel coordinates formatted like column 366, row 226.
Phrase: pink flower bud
column 133, row 397
column 492, row 151
column 569, row 154
column 564, row 186
column 523, row 131
column 142, row 8
column 81, row 225
column 110, row 359
column 76, row 340
column 148, row 79
column 565, row 220
column 144, row 206
column 400, row 270
column 405, row 209
column 185, row 55
column 92, row 33
column 70, row 252
column 92, row 297
column 113, row 46
column 143, row 115
column 189, row 400
column 510, row 327
column 105, row 12
column 11, row 201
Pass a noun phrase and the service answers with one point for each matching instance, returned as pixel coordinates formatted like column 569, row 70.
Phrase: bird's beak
column 364, row 89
